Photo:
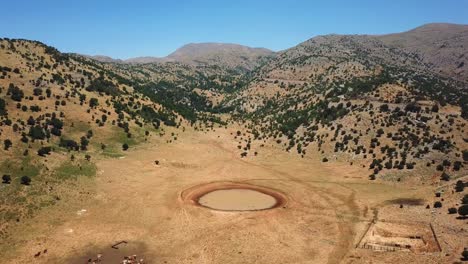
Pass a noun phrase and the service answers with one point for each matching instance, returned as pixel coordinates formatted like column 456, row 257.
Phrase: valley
column 342, row 149
column 327, row 210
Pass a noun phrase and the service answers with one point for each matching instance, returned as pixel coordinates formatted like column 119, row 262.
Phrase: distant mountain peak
column 207, row 53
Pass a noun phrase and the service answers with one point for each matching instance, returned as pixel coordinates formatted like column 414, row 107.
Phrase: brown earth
column 328, row 210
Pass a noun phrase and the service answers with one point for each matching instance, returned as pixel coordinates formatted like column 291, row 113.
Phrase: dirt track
column 138, row 201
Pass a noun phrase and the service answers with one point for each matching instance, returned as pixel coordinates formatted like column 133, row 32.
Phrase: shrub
column 437, row 204
column 459, row 186
column 7, row 144
column 57, row 123
column 25, row 180
column 388, row 165
column 324, row 160
column 6, row 179
column 412, row 107
column 465, row 199
column 35, row 108
column 463, row 210
column 384, row 108
column 69, row 144
column 465, row 155
column 16, row 93
column 125, row 146
column 3, row 110
column 452, row 210
column 445, row 177
column 37, row 132
column 465, row 254
column 93, row 102
column 24, row 139
column 44, row 151
column 56, row 132
column 84, row 143
column 37, row 91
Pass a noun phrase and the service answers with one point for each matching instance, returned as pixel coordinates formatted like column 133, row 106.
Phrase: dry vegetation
column 365, row 136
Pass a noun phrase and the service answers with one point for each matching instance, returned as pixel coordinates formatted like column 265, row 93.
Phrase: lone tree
column 43, row 151
column 445, row 177
column 452, row 210
column 84, row 143
column 93, row 102
column 125, row 146
column 37, row 132
column 25, row 180
column 463, row 210
column 6, row 179
column 3, row 110
column 465, row 254
column 7, row 144
column 459, row 186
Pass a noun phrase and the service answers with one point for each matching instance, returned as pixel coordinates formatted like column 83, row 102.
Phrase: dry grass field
column 329, row 209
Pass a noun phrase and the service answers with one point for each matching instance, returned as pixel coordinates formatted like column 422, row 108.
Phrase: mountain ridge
column 205, row 53
column 424, row 41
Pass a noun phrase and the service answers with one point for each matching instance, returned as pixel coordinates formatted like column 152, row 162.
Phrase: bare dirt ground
column 329, row 208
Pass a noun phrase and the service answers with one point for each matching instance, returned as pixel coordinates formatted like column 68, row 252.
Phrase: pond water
column 237, row 200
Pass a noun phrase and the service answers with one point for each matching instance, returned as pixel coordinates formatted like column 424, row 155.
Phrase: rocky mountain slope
column 60, row 112
column 442, row 46
column 359, row 99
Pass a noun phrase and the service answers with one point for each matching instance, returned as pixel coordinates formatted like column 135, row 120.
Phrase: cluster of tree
column 15, row 93
column 25, row 180
column 102, row 85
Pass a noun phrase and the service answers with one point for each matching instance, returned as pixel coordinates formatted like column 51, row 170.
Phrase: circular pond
column 237, row 200
column 233, row 196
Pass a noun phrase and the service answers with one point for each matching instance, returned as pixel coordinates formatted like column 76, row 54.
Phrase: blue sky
column 124, row 29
